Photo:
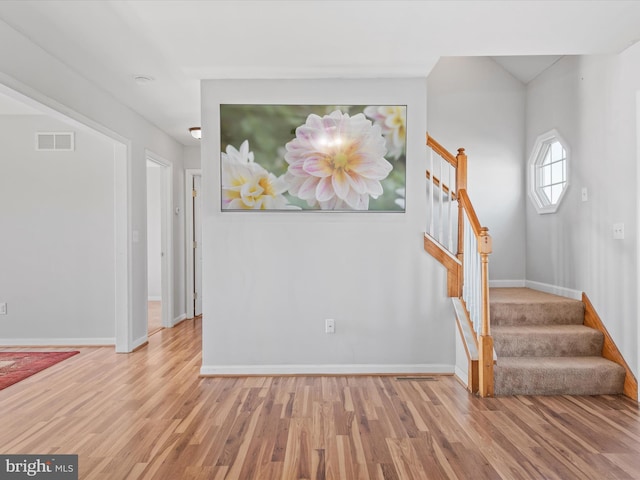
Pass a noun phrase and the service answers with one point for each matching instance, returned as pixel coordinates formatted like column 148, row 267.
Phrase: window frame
column 541, row 146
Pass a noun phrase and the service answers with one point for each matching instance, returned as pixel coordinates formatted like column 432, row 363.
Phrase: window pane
column 556, row 190
column 557, row 172
column 557, row 152
column 547, row 193
column 545, row 176
column 547, row 155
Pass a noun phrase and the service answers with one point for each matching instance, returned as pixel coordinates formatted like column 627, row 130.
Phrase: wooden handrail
column 471, row 212
column 481, row 375
column 444, row 187
column 440, row 150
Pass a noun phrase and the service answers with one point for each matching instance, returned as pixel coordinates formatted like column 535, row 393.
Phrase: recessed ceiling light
column 143, row 79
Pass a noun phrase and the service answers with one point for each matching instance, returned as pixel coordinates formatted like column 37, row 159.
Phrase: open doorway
column 159, row 245
column 193, row 203
column 111, row 323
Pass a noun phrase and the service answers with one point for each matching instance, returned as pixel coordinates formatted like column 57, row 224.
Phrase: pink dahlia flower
column 246, row 185
column 393, row 122
column 337, row 161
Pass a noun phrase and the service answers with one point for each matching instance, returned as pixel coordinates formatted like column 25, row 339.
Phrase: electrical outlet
column 618, row 231
column 329, row 325
column 3, row 308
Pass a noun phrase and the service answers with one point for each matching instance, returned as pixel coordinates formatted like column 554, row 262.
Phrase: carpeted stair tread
column 543, row 348
column 547, row 340
column 557, row 376
column 524, row 306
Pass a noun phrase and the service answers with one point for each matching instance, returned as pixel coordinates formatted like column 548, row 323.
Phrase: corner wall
column 591, row 101
column 56, row 248
column 30, row 70
column 474, row 103
column 270, row 279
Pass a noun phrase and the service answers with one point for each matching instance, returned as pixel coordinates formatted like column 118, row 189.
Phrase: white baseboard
column 57, row 342
column 507, row 283
column 138, row 342
column 178, row 319
column 562, row 291
column 543, row 287
column 215, row 370
column 154, row 299
column 462, row 376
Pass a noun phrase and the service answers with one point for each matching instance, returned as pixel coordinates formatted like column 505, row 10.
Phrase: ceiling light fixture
column 195, row 132
column 143, row 79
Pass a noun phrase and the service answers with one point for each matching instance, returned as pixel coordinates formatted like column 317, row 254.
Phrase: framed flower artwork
column 313, row 157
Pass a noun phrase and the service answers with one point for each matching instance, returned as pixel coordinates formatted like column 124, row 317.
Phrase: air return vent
column 55, row 141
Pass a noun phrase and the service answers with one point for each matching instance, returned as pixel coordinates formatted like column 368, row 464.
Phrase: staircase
column 517, row 341
column 544, row 348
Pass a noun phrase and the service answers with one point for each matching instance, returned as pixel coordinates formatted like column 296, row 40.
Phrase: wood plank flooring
column 148, row 415
column 154, row 316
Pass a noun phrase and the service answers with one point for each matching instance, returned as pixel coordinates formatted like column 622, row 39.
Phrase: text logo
column 49, row 467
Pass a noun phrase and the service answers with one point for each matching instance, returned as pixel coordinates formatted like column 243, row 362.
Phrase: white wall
column 191, row 157
column 154, row 232
column 475, row 104
column 270, row 279
column 56, row 247
column 30, row 70
column 592, row 102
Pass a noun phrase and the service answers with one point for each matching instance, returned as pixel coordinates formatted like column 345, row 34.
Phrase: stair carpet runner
column 543, row 348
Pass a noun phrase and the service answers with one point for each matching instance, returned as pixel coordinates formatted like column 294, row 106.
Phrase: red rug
column 16, row 366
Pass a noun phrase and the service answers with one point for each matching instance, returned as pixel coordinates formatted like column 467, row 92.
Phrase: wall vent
column 55, row 141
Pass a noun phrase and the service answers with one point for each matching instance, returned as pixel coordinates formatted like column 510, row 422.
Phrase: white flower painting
column 331, row 158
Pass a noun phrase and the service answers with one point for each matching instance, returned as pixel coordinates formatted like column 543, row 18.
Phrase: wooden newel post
column 485, row 344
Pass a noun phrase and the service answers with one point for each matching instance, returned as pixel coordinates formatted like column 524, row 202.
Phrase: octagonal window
column 548, row 171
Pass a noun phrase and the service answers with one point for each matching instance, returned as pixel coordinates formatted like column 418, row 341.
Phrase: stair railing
column 466, row 259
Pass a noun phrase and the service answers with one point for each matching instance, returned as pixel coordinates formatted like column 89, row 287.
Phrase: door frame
column 122, row 210
column 166, row 235
column 189, row 173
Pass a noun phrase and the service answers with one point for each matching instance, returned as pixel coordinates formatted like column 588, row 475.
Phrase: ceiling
column 178, row 43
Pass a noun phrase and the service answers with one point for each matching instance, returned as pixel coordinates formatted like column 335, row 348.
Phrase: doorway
column 159, row 244
column 121, row 151
column 193, row 215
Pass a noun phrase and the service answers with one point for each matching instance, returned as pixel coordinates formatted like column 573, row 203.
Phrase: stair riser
column 537, row 314
column 514, row 345
column 544, row 348
column 515, row 381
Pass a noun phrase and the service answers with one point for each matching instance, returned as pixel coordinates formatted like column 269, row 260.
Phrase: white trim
column 124, row 247
column 356, row 369
column 58, row 342
column 462, row 376
column 154, row 299
column 507, row 283
column 138, row 342
column 637, row 134
column 541, row 204
column 178, row 319
column 189, row 173
column 555, row 290
column 123, row 317
column 442, row 248
column 166, row 187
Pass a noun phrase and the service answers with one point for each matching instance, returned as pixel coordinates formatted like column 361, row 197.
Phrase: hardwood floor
column 148, row 415
column 154, row 316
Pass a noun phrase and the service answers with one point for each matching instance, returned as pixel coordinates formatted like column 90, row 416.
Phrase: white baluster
column 450, row 199
column 440, row 196
column 431, row 197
